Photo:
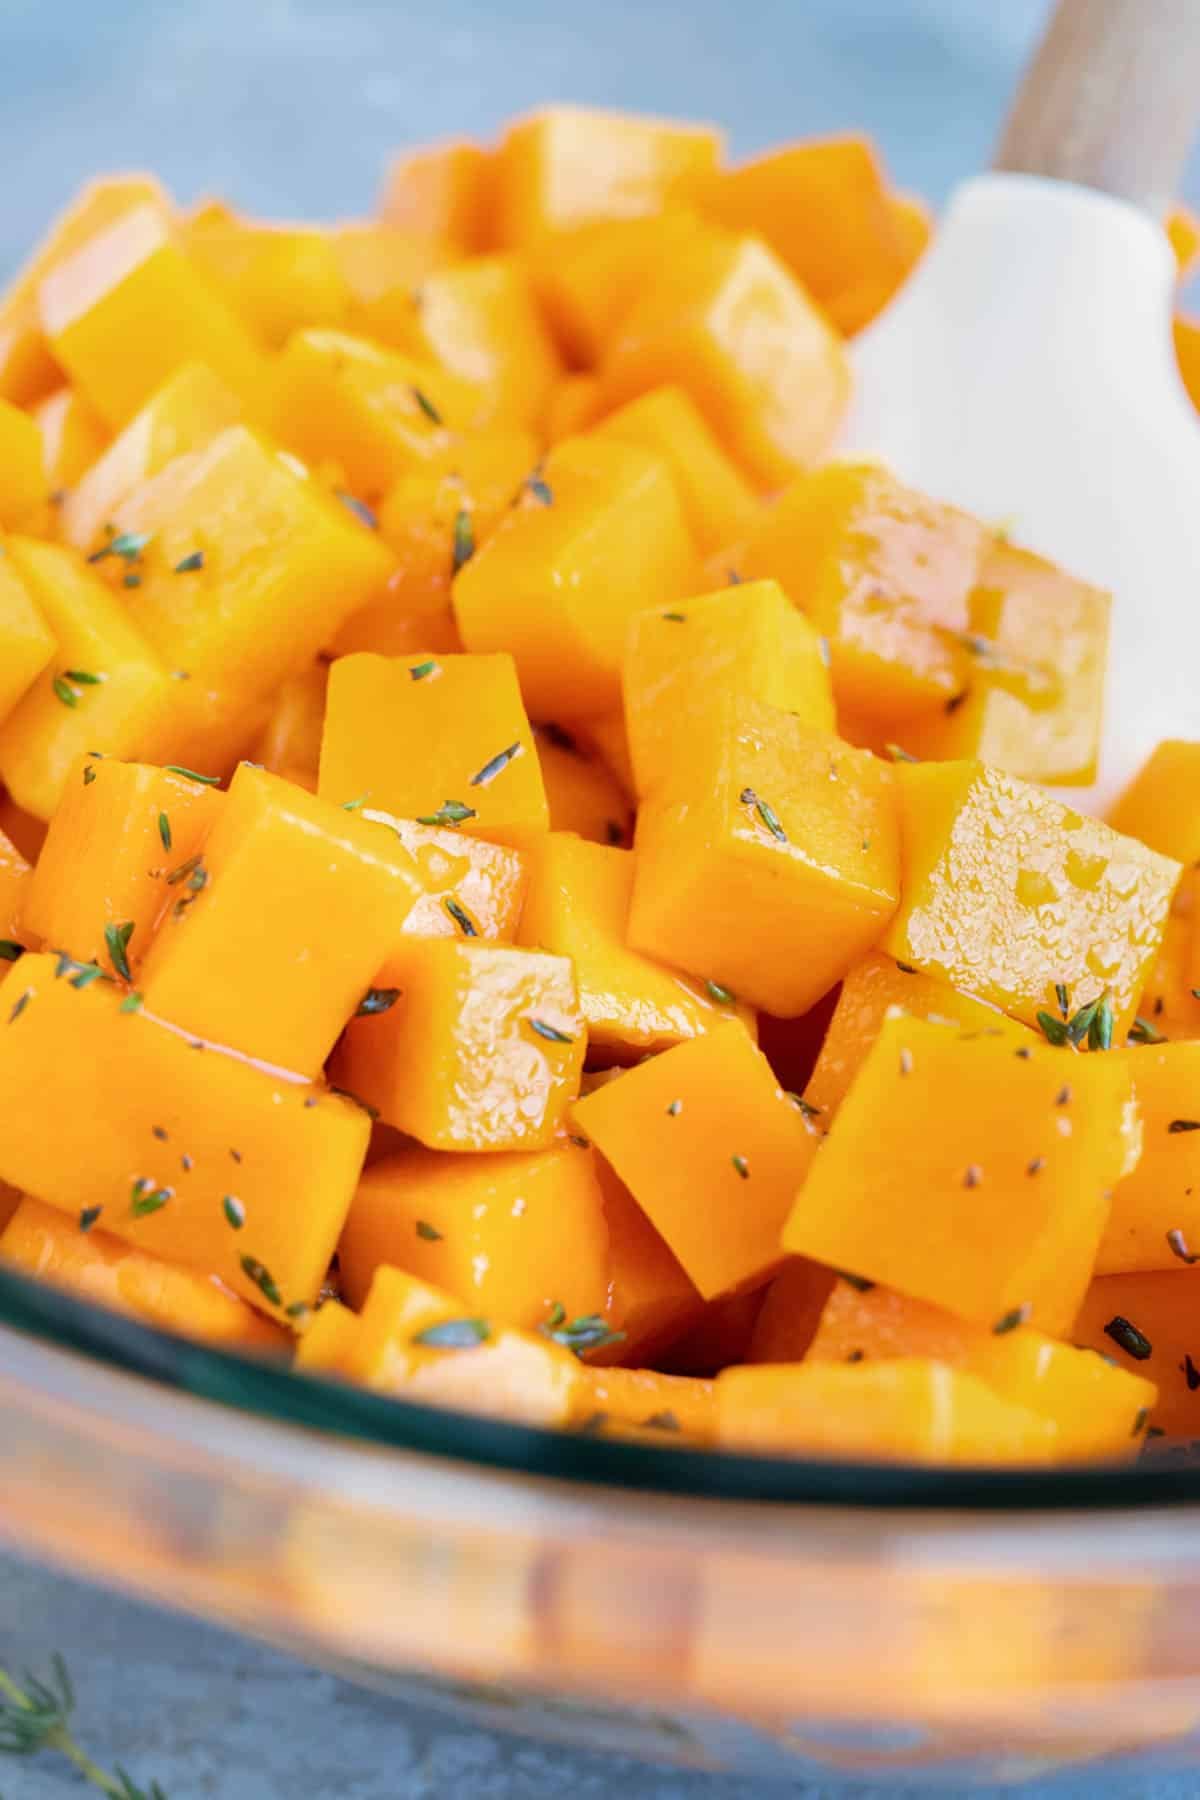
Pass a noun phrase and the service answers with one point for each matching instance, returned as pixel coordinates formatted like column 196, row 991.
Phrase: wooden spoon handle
column 1111, row 99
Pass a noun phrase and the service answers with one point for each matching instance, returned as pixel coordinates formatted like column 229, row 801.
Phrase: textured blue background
column 291, row 107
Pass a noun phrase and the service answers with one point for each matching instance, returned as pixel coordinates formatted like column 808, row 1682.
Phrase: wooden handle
column 1111, row 100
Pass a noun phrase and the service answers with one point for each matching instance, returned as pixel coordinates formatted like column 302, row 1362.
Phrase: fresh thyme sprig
column 37, row 1717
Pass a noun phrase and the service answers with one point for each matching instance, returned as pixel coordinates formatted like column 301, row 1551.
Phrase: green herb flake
column 899, row 754
column 1035, row 1165
column 85, row 678
column 450, row 812
column 1128, row 1338
column 1100, row 1031
column 88, row 1217
column 376, row 1000
column 454, row 1334
column 1178, row 1125
column 1143, row 1032
column 720, row 994
column 65, row 692
column 128, row 545
column 117, row 938
column 131, row 1003
column 190, row 564
column 662, row 1421
column 86, row 973
column 131, row 579
column 164, row 830
column 426, row 405
column 766, row 813
column 10, row 951
column 551, row 1033
column 19, row 1006
column 260, row 1275
column 362, row 512
column 464, row 539
column 675, row 618
column 418, row 672
column 146, row 1198
column 234, row 1211
column 191, row 775
column 353, row 805
column 674, row 1109
column 1062, row 994
column 1011, row 1321
column 1141, row 1421
column 1054, row 1029
column 539, row 488
column 492, row 768
column 859, row 1283
column 461, row 916
column 89, row 775
column 591, row 1331
column 428, row 1232
column 741, row 1166
column 1177, row 1244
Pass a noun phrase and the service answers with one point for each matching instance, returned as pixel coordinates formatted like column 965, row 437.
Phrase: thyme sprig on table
column 37, row 1717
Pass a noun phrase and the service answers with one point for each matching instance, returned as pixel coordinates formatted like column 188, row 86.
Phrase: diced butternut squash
column 587, row 278
column 188, row 1152
column 329, row 1340
column 795, row 1304
column 1183, row 233
column 773, row 835
column 27, row 644
column 25, row 832
column 746, row 640
column 444, row 740
column 870, row 991
column 1146, row 1325
column 112, row 856
column 458, row 878
column 607, row 738
column 41, row 1241
column 291, row 738
column 651, row 1300
column 570, row 165
column 597, row 535
column 1012, row 1172
column 249, row 568
column 577, row 906
column 854, row 306
column 23, row 484
column 1100, row 1413
column 127, row 307
column 470, row 1047
column 280, row 924
column 185, row 413
column 104, row 690
column 444, row 191
column 1161, row 805
column 382, row 268
column 886, row 574
column 582, row 793
column 1169, row 1006
column 718, row 502
column 1187, row 352
column 491, row 1230
column 1056, row 899
column 728, row 322
column 576, row 403
column 73, row 435
column 14, row 892
column 277, row 278
column 1155, row 1218
column 480, row 321
column 1038, row 644
column 371, row 414
column 613, row 1400
column 912, row 1410
column 711, row 1149
column 719, row 1336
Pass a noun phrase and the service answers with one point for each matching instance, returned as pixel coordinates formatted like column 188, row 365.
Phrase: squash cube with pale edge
column 14, row 890
column 886, row 574
column 489, row 1229
column 577, row 906
column 443, row 191
column 712, row 1150
column 100, row 1267
column 1146, row 1325
column 471, row 1046
column 726, row 321
column 597, row 536
column 481, row 322
column 869, row 992
column 127, row 307
column 466, row 886
column 283, row 564
column 770, row 862
column 26, row 642
column 371, row 414
column 1007, row 894
column 105, row 689
column 112, row 1109
column 276, row 930
column 23, row 485
column 746, row 640
column 910, row 1410
column 328, row 1341
column 1161, row 805
column 1008, row 1152
column 623, row 1402
column 120, row 833
column 444, row 740
column 73, row 435
column 1155, row 1218
column 718, row 502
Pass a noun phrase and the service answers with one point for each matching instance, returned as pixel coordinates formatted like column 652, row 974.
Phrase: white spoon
column 1027, row 371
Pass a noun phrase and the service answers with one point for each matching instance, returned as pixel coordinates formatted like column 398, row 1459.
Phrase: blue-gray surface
column 290, row 107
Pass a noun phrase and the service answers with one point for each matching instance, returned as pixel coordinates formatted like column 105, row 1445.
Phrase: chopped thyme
column 461, row 916
column 117, row 938
column 417, row 672
column 426, row 405
column 539, row 488
column 741, row 1166
column 493, row 767
column 191, row 563
column 191, row 775
column 766, row 813
column 451, row 812
column 551, row 1033
column 429, row 1232
column 88, row 1217
column 1178, row 1247
column 10, row 951
column 234, row 1211
column 720, row 994
column 589, row 1332
column 376, row 1000
column 359, row 508
column 454, row 1334
column 1127, row 1336
column 164, row 830
column 256, row 1272
column 1009, row 1321
column 464, row 539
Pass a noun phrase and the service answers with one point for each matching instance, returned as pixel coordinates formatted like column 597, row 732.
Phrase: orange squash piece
column 111, row 1109
column 1161, row 805
column 14, row 889
column 127, row 307
column 27, row 644
column 73, row 435
column 619, row 1400
column 729, row 323
column 41, row 1241
column 582, row 793
column 1056, row 899
column 23, row 484
column 576, row 403
column 597, row 535
column 1013, row 1183
column 277, row 278
column 773, row 834
column 718, row 502
column 1100, row 1413
column 719, row 1336
column 474, row 1046
column 854, row 306
column 443, row 191
column 457, row 878
column 25, row 832
column 1155, row 1218
column 651, row 1300
column 279, row 926
column 121, row 832
column 567, row 166
column 795, row 1302
column 328, row 1341
column 444, row 740
column 1183, row 233
column 383, row 268
column 104, row 690
column 577, row 906
column 911, row 1410
column 290, row 741
column 746, row 640
column 489, row 1229
column 706, row 1119
column 1169, row 1005
column 607, row 738
column 870, row 991
column 587, row 278
column 1146, row 1325
column 1187, row 352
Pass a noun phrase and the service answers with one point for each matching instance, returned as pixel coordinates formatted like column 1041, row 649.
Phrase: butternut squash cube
column 121, row 832
column 328, row 1341
column 444, row 740
column 746, row 640
column 282, row 564
column 110, row 1109
column 886, row 574
column 127, row 307
column 862, row 299
column 597, row 536
column 105, row 689
column 1054, row 898
column 1155, row 1218
column 277, row 278
column 1161, row 805
column 1099, row 1413
column 773, row 836
column 651, row 1299
column 481, row 1050
column 279, row 926
column 480, row 320
column 290, row 741
column 728, row 322
column 718, row 502
column 489, row 1229
column 383, row 268
column 576, row 403
column 911, row 1410
column 26, row 641
column 607, row 738
column 14, row 891
column 23, row 484
column 711, row 1149
column 582, row 793
column 588, row 277
column 1145, row 1325
column 1169, row 1004
column 623, row 1400
column 1014, row 1179
column 442, row 191
column 566, row 166
column 73, row 435
column 99, row 1267
column 577, row 906
column 795, row 1305
column 466, row 886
